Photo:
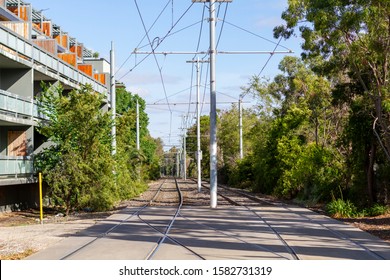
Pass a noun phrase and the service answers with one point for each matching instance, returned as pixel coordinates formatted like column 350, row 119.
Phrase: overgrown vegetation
column 322, row 126
column 78, row 167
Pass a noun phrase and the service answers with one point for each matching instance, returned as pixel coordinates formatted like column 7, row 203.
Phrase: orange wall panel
column 22, row 12
column 46, row 28
column 77, row 49
column 68, row 57
column 48, row 45
column 86, row 68
column 62, row 40
column 100, row 78
column 17, row 143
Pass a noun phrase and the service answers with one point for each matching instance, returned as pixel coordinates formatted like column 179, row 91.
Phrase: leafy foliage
column 351, row 40
column 78, row 167
column 340, row 208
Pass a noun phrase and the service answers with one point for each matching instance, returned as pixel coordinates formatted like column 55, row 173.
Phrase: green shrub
column 339, row 208
column 378, row 209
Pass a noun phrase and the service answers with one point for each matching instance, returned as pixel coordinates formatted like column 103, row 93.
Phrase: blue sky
column 248, row 27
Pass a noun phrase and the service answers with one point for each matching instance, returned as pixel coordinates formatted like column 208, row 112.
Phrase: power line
column 169, row 33
column 154, row 55
column 174, row 94
column 192, row 103
column 154, row 48
column 254, row 34
column 223, row 24
column 150, row 28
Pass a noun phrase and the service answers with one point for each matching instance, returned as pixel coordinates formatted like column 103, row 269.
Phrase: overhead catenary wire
column 153, row 49
column 257, row 35
column 172, row 95
column 157, row 41
column 143, row 38
column 223, row 24
column 154, row 55
column 193, row 67
column 269, row 58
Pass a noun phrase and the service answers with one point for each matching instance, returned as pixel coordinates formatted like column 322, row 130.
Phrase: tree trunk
column 383, row 124
column 371, row 174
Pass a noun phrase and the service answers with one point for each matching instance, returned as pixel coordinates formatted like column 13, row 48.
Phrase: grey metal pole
column 199, row 151
column 177, row 165
column 185, row 156
column 240, row 126
column 113, row 97
column 137, row 128
column 213, row 111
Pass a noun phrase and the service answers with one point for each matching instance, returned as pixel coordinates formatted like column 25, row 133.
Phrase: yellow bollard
column 40, row 198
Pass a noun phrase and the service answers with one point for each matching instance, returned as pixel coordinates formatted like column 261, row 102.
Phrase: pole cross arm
column 217, row 52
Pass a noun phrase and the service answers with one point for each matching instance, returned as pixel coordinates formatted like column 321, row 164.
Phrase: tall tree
column 78, row 166
column 298, row 155
column 191, row 142
column 353, row 38
column 144, row 163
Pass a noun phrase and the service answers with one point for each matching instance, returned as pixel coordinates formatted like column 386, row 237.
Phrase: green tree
column 229, row 147
column 191, row 143
column 78, row 166
column 144, row 164
column 353, row 40
column 298, row 154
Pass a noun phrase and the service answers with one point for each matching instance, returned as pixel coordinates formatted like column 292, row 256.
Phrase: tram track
column 107, row 232
column 153, row 202
column 263, row 201
column 289, row 249
column 168, row 228
column 172, row 220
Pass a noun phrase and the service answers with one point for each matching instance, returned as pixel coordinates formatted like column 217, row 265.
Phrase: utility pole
column 198, row 154
column 177, row 164
column 185, row 156
column 240, row 126
column 184, row 160
column 213, row 108
column 137, row 126
column 113, row 97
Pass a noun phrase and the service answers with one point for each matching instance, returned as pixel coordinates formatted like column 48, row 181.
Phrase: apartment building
column 34, row 49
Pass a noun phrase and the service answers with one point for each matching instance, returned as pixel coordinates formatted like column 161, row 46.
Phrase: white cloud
column 143, row 92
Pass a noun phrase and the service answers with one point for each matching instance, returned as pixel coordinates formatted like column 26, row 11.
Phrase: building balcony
column 17, row 106
column 16, row 167
column 19, row 49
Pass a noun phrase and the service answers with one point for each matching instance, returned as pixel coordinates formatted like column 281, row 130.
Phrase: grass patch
column 339, row 208
column 18, row 256
column 377, row 210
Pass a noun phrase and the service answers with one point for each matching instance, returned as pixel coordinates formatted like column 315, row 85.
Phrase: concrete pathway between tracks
column 226, row 233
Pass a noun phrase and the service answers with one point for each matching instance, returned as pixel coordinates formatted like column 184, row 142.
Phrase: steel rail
column 289, row 249
column 235, row 237
column 336, row 233
column 102, row 235
column 167, row 230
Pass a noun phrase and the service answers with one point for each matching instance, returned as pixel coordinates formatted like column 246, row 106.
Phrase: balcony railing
column 16, row 104
column 19, row 106
column 16, row 166
column 21, row 47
